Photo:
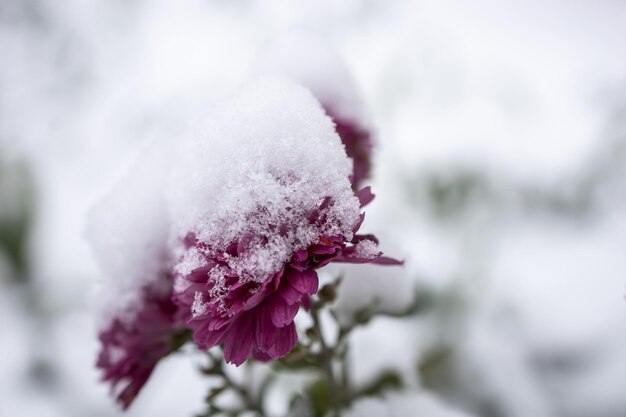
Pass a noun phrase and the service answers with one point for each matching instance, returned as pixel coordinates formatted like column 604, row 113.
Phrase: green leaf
column 435, row 368
column 389, row 379
column 320, row 397
column 16, row 216
column 299, row 358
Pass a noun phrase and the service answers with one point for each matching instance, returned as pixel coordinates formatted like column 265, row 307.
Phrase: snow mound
column 128, row 233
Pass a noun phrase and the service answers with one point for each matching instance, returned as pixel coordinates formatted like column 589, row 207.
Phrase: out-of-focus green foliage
column 450, row 193
column 16, row 215
column 389, row 379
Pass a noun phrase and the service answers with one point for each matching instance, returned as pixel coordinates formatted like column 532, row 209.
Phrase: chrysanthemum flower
column 253, row 318
column 263, row 201
column 128, row 231
column 131, row 347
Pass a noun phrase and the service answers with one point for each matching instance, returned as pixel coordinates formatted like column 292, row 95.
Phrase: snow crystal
column 218, row 290
column 309, row 61
column 256, row 171
column 199, row 306
column 366, row 249
column 190, row 260
column 128, row 230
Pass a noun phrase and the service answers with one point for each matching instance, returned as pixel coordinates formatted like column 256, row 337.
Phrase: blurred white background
column 499, row 174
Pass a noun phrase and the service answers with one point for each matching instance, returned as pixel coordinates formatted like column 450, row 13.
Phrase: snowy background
column 500, row 175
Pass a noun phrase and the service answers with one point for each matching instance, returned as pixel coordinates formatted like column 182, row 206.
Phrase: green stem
column 326, row 357
column 250, row 402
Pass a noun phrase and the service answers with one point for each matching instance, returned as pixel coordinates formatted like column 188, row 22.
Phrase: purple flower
column 357, row 141
column 132, row 346
column 254, row 318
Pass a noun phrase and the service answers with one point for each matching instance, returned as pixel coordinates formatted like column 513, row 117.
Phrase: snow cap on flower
column 128, row 232
column 261, row 198
column 267, row 159
column 311, row 63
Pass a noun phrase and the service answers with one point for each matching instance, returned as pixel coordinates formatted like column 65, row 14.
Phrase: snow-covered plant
column 128, row 231
column 218, row 241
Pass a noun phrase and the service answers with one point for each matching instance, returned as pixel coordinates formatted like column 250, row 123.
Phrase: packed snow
column 128, row 231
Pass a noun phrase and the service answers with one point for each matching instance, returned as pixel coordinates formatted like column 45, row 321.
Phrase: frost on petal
column 198, row 307
column 366, row 249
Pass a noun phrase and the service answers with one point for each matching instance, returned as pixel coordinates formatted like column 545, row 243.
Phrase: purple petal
column 325, row 203
column 261, row 356
column 282, row 313
column 290, row 294
column 232, row 249
column 380, row 260
column 298, row 266
column 255, row 299
column 322, row 249
column 385, row 260
column 353, row 260
column 265, row 332
column 358, row 223
column 286, row 340
column 236, row 307
column 240, row 340
column 206, row 339
column 276, row 279
column 306, row 302
column 244, row 241
column 217, row 323
column 199, row 275
column 365, row 196
column 300, row 255
column 306, row 281
column 128, row 394
column 359, row 238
